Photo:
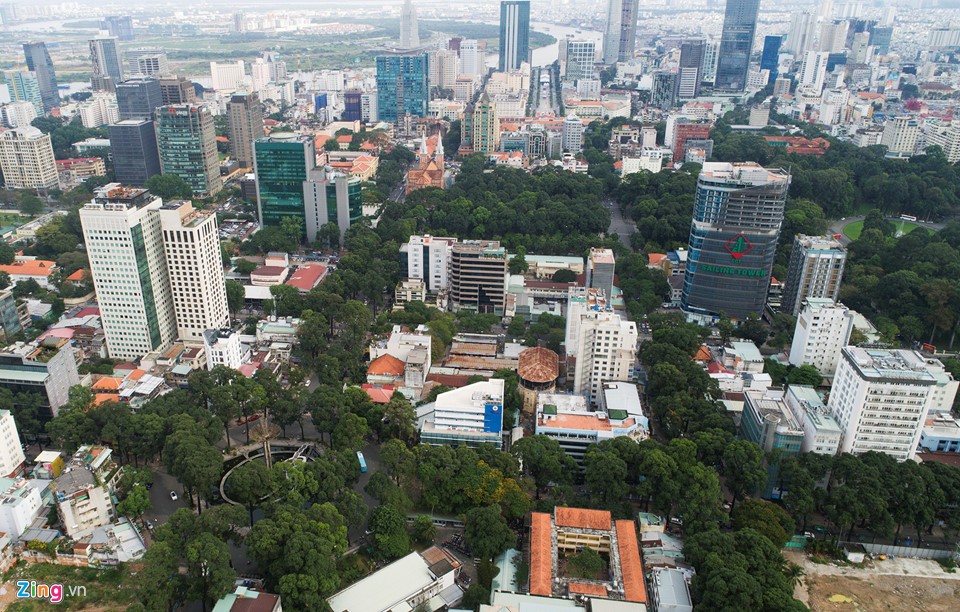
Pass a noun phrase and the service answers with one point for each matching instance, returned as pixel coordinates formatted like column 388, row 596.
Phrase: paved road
column 163, row 506
column 620, row 225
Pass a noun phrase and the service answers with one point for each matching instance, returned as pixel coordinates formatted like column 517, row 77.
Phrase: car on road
column 173, row 495
column 150, row 525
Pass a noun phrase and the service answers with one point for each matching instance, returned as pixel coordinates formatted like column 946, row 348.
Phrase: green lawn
column 853, row 230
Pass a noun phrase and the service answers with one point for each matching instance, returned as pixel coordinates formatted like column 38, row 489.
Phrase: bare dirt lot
column 892, row 584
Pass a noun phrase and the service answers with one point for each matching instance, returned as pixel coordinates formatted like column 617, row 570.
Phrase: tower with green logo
column 737, row 216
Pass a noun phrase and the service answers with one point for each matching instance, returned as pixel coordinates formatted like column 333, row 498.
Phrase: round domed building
column 538, row 368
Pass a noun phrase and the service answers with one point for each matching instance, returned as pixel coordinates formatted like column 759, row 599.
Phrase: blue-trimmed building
column 770, row 57
column 468, row 416
column 402, row 86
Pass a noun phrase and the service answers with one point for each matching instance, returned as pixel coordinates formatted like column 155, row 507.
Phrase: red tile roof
column 634, row 588
column 582, row 519
column 581, row 588
column 541, row 556
column 386, row 365
column 79, row 275
column 307, row 277
column 378, row 395
column 32, row 267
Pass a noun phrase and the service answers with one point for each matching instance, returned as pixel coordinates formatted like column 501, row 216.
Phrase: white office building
column 121, row 229
column 881, row 398
column 823, row 329
column 567, row 419
column 227, row 76
column 147, row 62
column 606, row 351
column 821, row 433
column 572, row 134
column 195, row 269
column 11, row 451
column 428, row 259
column 471, row 416
column 900, row 136
column 223, row 348
column 20, row 505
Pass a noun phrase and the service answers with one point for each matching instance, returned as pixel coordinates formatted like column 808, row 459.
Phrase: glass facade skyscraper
column 39, row 62
column 186, row 139
column 133, row 146
column 770, row 57
column 514, row 33
column 620, row 35
column 402, row 86
column 737, row 216
column 107, row 70
column 138, row 98
column 282, row 163
column 736, row 44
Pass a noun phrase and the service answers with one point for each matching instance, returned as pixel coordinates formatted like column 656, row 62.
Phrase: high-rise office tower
column 403, row 86
column 23, row 86
column 581, row 55
column 187, row 142
column 802, row 33
column 880, row 38
column 737, row 213
column 710, row 58
column 282, row 163
column 147, row 61
column 478, row 276
column 331, row 197
column 471, row 58
column 664, row 91
column 409, row 31
column 177, row 90
column 690, row 71
column 815, row 271
column 107, row 70
column 138, row 98
column 770, row 57
column 39, row 62
column 119, row 26
column 514, row 33
column 352, row 105
column 813, row 70
column 736, row 44
column 486, row 128
column 245, row 122
column 621, row 32
column 121, row 229
column 26, row 159
column 133, row 146
column 194, row 269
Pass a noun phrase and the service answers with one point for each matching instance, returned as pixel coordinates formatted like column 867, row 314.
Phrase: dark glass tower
column 138, row 98
column 737, row 216
column 39, row 62
column 621, row 32
column 770, row 57
column 736, row 44
column 514, row 33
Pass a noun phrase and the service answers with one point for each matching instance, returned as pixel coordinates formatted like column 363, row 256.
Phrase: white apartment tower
column 900, row 136
column 18, row 114
column 946, row 135
column 880, row 399
column 471, row 58
column 815, row 270
column 813, row 71
column 605, row 352
column 195, row 269
column 121, row 229
column 26, row 159
column 428, row 259
column 800, row 38
column 823, row 329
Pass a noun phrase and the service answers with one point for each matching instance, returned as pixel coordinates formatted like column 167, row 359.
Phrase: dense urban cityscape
column 491, row 306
